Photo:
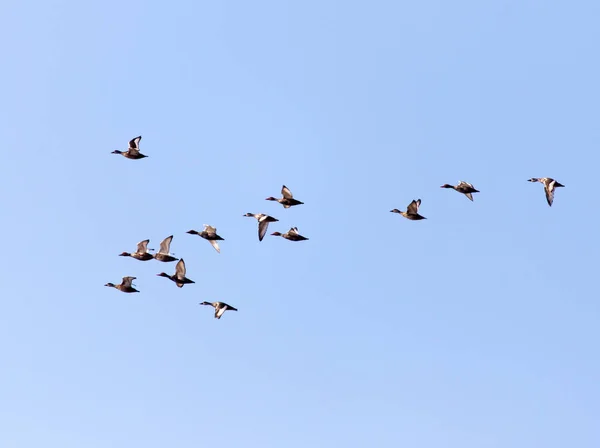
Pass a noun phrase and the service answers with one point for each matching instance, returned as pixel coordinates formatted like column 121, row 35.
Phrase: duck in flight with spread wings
column 287, row 200
column 133, row 152
column 411, row 211
column 549, row 186
column 179, row 277
column 125, row 285
column 263, row 223
column 210, row 234
column 463, row 187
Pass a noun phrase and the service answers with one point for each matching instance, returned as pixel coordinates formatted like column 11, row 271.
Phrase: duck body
column 463, row 187
column 411, row 212
column 125, row 285
column 133, row 152
column 287, row 199
column 179, row 277
column 549, row 186
column 220, row 308
column 291, row 235
column 263, row 223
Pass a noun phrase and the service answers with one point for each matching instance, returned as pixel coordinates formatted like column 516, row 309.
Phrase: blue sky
column 475, row 328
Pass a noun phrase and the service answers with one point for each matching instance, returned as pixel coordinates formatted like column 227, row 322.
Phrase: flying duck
column 209, row 233
column 287, row 200
column 163, row 252
column 220, row 308
column 549, row 186
column 125, row 285
column 179, row 277
column 263, row 223
column 464, row 188
column 411, row 211
column 141, row 253
column 291, row 235
column 134, row 150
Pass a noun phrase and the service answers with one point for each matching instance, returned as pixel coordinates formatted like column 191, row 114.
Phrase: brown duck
column 220, row 308
column 291, row 235
column 141, row 253
column 549, row 186
column 163, row 251
column 263, row 223
column 210, row 234
column 125, row 285
column 179, row 277
column 411, row 211
column 134, row 150
column 463, row 187
column 287, row 200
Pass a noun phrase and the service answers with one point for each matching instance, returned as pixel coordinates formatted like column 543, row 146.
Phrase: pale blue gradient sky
column 477, row 328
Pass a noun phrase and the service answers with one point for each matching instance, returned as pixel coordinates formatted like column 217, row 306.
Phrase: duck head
column 192, row 232
column 163, row 274
column 276, row 234
column 395, row 211
column 111, row 285
column 270, row 198
column 447, row 186
column 116, row 151
column 125, row 254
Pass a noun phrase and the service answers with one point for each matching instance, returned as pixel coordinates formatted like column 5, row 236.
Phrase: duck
column 134, row 150
column 209, row 233
column 291, row 235
column 179, row 277
column 220, row 308
column 141, row 253
column 549, row 186
column 463, row 187
column 125, row 285
column 287, row 200
column 163, row 252
column 263, row 223
column 411, row 211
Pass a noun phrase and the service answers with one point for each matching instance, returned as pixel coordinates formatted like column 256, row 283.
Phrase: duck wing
column 285, row 191
column 165, row 245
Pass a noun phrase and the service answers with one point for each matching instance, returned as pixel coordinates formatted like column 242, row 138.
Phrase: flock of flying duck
column 287, row 200
column 209, row 233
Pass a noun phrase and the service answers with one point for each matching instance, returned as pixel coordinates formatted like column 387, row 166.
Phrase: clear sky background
column 477, row 328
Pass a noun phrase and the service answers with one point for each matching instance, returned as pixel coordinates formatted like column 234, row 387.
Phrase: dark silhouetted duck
column 291, row 235
column 220, row 308
column 179, row 277
column 463, row 187
column 287, row 200
column 549, row 186
column 411, row 211
column 209, row 233
column 125, row 285
column 141, row 253
column 263, row 223
column 134, row 150
column 163, row 252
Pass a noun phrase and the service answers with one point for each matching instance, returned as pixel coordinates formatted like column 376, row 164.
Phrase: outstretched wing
column 462, row 183
column 135, row 143
column 180, row 269
column 165, row 245
column 413, row 207
column 142, row 247
column 127, row 281
column 210, row 229
column 262, row 229
column 293, row 231
column 549, row 189
column 215, row 245
column 285, row 191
